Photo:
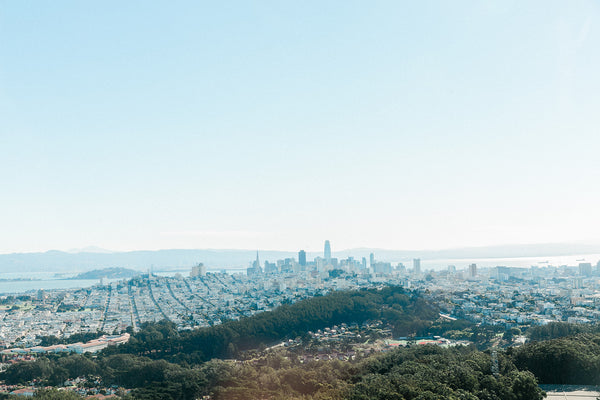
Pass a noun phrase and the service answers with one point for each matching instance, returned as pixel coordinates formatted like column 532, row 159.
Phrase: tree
column 525, row 386
column 55, row 394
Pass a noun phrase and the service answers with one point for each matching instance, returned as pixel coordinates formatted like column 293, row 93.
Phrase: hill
column 162, row 363
column 406, row 311
column 110, row 273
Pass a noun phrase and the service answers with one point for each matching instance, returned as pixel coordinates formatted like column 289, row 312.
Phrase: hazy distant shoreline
column 235, row 259
column 29, row 281
column 22, row 279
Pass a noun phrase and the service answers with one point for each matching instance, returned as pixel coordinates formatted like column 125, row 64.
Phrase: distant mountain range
column 59, row 261
column 500, row 251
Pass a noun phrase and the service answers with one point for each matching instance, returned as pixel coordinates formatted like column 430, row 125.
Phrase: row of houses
column 92, row 346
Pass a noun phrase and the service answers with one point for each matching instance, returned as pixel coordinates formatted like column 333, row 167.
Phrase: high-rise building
column 270, row 268
column 417, row 266
column 371, row 260
column 585, row 269
column 327, row 252
column 257, row 263
column 472, row 270
column 302, row 258
column 255, row 269
column 198, row 270
column 401, row 268
column 502, row 273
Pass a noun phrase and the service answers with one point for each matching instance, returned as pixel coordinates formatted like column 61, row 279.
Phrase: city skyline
column 252, row 126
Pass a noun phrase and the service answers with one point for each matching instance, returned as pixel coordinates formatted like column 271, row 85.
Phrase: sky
column 276, row 125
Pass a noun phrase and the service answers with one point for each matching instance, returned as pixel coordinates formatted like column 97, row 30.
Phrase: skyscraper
column 257, row 264
column 327, row 252
column 472, row 270
column 255, row 269
column 198, row 270
column 585, row 269
column 302, row 258
column 417, row 266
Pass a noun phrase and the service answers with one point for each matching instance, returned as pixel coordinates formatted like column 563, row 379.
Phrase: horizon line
column 99, row 250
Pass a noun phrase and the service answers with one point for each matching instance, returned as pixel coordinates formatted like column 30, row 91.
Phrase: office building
column 302, row 258
column 472, row 270
column 417, row 266
column 585, row 269
column 327, row 252
column 255, row 269
column 198, row 270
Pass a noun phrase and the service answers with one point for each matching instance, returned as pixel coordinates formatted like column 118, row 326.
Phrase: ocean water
column 19, row 282
column 15, row 287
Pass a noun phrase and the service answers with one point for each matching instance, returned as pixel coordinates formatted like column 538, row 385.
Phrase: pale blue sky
column 277, row 125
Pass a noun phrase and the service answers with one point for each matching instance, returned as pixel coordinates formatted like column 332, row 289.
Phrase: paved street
column 571, row 392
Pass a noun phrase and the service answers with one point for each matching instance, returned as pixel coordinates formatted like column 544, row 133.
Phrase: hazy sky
column 277, row 125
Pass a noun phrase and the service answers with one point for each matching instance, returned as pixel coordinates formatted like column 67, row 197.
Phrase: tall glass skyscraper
column 417, row 266
column 302, row 258
column 327, row 252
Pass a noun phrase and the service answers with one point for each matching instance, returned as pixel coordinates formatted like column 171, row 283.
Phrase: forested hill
column 417, row 373
column 573, row 360
column 110, row 273
column 407, row 312
column 162, row 363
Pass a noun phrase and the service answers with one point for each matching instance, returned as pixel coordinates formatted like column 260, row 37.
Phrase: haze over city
column 149, row 125
column 299, row 200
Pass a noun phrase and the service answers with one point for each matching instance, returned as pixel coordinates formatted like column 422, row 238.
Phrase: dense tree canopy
column 568, row 360
column 408, row 313
column 161, row 362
